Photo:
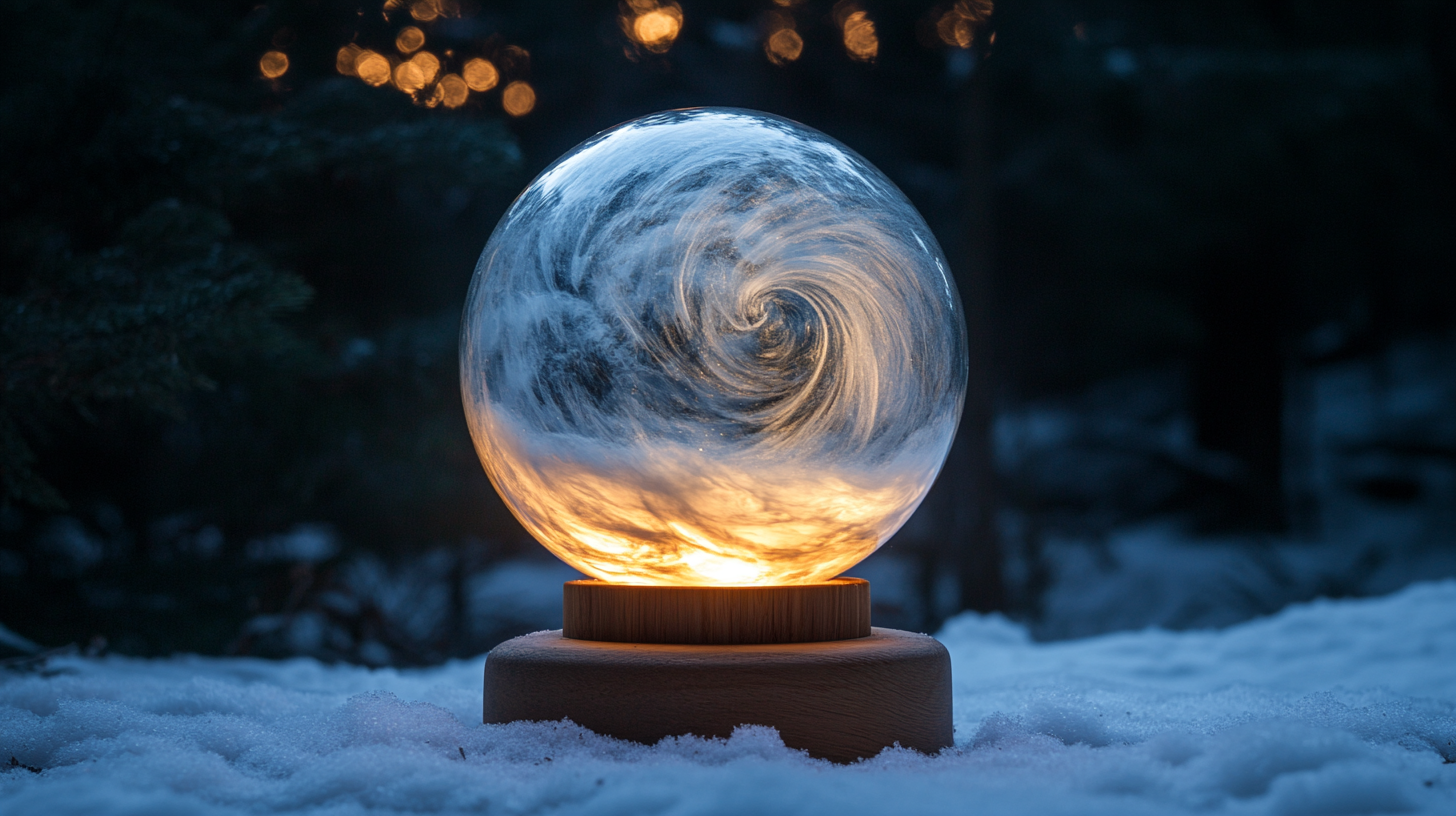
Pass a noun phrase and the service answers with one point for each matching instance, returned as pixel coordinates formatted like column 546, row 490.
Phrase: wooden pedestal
column 725, row 657
column 805, row 613
column 839, row 700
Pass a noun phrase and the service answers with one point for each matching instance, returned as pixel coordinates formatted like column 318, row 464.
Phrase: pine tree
column 263, row 269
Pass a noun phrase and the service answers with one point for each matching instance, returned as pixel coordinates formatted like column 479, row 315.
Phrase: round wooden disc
column 840, row 700
column 806, row 613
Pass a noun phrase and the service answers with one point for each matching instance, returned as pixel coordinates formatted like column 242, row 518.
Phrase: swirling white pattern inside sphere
column 712, row 347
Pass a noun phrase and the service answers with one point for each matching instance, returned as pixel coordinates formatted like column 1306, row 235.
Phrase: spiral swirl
column 712, row 347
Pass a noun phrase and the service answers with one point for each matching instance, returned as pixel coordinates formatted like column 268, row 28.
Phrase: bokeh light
column 429, row 65
column 453, row 90
column 425, row 10
column 409, row 40
column 783, row 45
column 273, row 64
column 518, row 98
column 656, row 29
column 408, row 77
column 480, row 74
column 860, row 39
column 712, row 347
column 651, row 24
column 957, row 25
column 346, row 58
column 372, row 68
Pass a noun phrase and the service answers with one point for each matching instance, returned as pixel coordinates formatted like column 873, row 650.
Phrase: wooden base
column 807, row 613
column 839, row 700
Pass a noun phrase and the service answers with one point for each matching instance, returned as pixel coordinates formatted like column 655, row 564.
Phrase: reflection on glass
column 712, row 347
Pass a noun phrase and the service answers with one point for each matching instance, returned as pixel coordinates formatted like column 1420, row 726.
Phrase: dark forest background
column 1207, row 251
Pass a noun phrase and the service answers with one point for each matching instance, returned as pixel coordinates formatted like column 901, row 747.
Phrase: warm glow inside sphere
column 713, row 347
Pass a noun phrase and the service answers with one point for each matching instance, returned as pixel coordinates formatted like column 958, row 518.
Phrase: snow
column 1100, row 534
column 1328, row 707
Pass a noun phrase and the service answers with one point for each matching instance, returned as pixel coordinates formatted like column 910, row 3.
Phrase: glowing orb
column 712, row 347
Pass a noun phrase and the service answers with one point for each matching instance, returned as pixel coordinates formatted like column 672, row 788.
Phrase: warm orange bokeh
column 429, row 65
column 410, row 39
column 372, row 68
column 784, row 46
column 480, row 74
column 652, row 25
column 518, row 98
column 453, row 90
column 860, row 39
column 958, row 24
column 408, row 77
column 656, row 29
column 273, row 64
column 345, row 59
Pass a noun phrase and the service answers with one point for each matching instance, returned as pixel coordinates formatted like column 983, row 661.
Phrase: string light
column 345, row 59
column 518, row 99
column 957, row 26
column 408, row 77
column 372, row 68
column 652, row 25
column 453, row 90
column 429, row 65
column 480, row 74
column 860, row 39
column 783, row 45
column 410, row 39
column 423, row 74
column 273, row 64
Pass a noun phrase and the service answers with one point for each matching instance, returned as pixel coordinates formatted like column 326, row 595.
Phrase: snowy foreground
column 1325, row 708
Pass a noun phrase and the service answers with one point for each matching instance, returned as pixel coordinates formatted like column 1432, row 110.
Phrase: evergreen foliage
column 227, row 303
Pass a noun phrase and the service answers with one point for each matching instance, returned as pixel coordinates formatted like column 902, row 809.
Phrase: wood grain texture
column 808, row 613
column 840, row 700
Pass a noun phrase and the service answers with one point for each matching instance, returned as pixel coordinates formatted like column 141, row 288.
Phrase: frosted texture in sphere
column 712, row 346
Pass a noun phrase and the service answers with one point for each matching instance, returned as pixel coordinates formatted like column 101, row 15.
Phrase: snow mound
column 1326, row 708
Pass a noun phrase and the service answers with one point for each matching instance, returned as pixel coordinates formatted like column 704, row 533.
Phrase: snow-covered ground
column 1325, row 708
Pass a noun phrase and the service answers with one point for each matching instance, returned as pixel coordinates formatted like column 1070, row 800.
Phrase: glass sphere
column 712, row 347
